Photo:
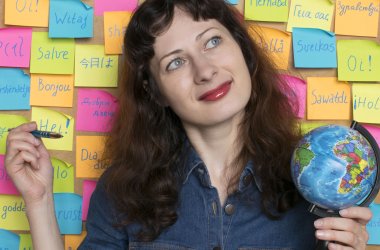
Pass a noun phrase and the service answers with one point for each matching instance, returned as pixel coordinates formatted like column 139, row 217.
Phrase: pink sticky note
column 114, row 5
column 6, row 184
column 88, row 189
column 374, row 131
column 95, row 110
column 299, row 87
column 15, row 47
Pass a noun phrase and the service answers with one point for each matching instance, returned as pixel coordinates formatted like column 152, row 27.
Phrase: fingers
column 361, row 214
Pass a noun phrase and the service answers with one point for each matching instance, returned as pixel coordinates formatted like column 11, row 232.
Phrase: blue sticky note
column 70, row 19
column 314, row 48
column 68, row 211
column 9, row 240
column 233, row 1
column 373, row 226
column 14, row 89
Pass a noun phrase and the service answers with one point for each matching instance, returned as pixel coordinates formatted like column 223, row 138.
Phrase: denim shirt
column 203, row 223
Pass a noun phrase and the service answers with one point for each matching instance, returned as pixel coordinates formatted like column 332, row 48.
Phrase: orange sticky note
column 115, row 23
column 89, row 151
column 73, row 241
column 328, row 99
column 51, row 90
column 357, row 18
column 27, row 12
column 275, row 42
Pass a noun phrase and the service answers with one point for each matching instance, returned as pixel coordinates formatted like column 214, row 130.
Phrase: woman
column 200, row 150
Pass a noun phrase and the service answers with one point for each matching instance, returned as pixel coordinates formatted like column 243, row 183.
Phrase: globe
column 334, row 167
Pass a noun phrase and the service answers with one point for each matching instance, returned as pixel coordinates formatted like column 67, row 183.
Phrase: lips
column 217, row 93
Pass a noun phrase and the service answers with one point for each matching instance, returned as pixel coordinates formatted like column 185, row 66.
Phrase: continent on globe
column 302, row 158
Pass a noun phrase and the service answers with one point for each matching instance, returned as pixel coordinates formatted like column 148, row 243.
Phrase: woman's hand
column 28, row 164
column 345, row 232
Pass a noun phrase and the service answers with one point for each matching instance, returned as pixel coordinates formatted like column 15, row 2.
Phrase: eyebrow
column 180, row 50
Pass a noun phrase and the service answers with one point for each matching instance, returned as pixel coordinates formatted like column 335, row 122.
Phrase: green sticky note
column 51, row 56
column 7, row 122
column 268, row 11
column 63, row 181
column 26, row 242
column 358, row 60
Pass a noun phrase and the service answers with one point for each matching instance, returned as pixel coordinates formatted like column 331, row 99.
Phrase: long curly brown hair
column 146, row 143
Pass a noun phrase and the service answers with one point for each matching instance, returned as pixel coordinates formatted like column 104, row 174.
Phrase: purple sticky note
column 6, row 184
column 88, row 188
column 299, row 92
column 95, row 110
column 15, row 47
column 115, row 5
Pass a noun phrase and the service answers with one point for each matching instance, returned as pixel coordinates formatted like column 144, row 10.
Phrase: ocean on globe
column 334, row 167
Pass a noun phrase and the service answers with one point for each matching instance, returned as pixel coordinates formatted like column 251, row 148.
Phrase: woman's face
column 200, row 71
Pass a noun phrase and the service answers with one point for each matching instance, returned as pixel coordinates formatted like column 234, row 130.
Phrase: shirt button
column 247, row 179
column 217, row 248
column 229, row 209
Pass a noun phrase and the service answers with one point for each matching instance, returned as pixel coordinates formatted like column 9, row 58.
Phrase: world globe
column 334, row 167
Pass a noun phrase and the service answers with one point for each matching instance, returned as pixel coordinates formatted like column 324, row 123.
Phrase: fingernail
column 318, row 223
column 320, row 233
column 343, row 212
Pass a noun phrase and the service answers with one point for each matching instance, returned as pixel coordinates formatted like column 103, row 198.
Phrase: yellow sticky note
column 357, row 18
column 27, row 13
column 358, row 60
column 310, row 14
column 7, row 122
column 93, row 68
column 263, row 10
column 26, row 242
column 275, row 42
column 63, row 181
column 72, row 242
column 12, row 213
column 115, row 24
column 306, row 127
column 89, row 151
column 366, row 102
column 51, row 90
column 51, row 56
column 328, row 99
column 54, row 121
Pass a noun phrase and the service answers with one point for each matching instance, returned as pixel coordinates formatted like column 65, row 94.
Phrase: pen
column 44, row 134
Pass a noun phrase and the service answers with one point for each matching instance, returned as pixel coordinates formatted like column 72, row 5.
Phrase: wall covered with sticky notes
column 59, row 66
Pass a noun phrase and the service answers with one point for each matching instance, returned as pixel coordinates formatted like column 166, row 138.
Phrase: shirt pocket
column 156, row 245
column 265, row 248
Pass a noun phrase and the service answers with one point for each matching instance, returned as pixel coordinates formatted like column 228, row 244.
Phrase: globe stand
column 322, row 212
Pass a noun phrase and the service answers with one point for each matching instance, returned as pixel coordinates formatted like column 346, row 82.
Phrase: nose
column 204, row 69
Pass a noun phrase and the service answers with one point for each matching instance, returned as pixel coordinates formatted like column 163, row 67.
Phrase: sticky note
column 93, row 68
column 9, row 240
column 115, row 5
column 358, row 60
column 327, row 98
column 310, row 14
column 88, row 189
column 6, row 122
column 357, row 18
column 51, row 90
column 6, row 183
column 266, row 10
column 373, row 226
column 15, row 46
column 374, row 131
column 68, row 211
column 70, row 18
column 366, row 102
column 12, row 213
column 95, row 110
column 14, row 89
column 63, row 181
column 26, row 242
column 233, row 1
column 73, row 241
column 297, row 94
column 51, row 56
column 27, row 12
column 274, row 42
column 115, row 24
column 307, row 126
column 314, row 48
column 89, row 151
column 54, row 121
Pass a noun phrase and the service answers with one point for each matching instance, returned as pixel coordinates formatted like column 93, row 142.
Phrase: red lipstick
column 217, row 93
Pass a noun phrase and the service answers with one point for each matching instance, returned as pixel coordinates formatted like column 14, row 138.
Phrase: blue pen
column 44, row 134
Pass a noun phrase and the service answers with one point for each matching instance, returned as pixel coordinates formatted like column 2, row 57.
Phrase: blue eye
column 213, row 42
column 175, row 64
